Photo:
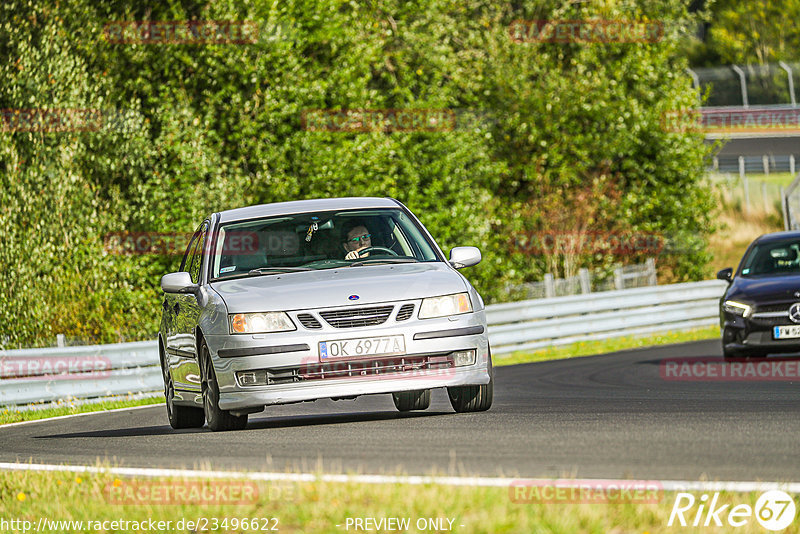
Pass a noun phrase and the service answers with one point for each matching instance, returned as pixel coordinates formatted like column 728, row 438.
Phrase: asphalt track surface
column 609, row 416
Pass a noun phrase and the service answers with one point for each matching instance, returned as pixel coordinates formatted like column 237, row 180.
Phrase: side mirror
column 178, row 283
column 461, row 257
column 725, row 274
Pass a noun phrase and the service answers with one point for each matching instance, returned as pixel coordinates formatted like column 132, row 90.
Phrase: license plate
column 786, row 332
column 367, row 346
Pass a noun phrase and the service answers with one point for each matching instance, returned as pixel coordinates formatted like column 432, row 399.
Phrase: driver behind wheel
column 356, row 238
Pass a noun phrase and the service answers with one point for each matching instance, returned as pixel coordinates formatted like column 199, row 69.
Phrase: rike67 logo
column 774, row 510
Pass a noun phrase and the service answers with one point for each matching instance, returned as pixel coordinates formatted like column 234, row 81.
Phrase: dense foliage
column 745, row 33
column 549, row 137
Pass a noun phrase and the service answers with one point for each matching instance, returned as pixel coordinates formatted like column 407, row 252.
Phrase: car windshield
column 319, row 240
column 774, row 258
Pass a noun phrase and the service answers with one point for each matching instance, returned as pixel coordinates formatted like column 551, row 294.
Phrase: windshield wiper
column 278, row 270
column 383, row 260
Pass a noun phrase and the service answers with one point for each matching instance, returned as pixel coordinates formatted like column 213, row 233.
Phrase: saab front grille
column 344, row 369
column 356, row 317
column 308, row 321
column 405, row 312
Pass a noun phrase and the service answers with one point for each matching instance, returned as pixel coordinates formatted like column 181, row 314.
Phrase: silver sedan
column 313, row 299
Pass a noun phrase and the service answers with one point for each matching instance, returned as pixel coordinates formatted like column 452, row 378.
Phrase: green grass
column 321, row 506
column 11, row 416
column 590, row 348
column 776, row 178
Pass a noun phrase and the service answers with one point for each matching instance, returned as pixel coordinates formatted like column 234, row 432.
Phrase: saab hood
column 334, row 287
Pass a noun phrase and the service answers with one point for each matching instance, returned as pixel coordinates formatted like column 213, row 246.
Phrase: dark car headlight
column 737, row 308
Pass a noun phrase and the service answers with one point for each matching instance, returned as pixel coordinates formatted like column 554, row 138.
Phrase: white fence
column 753, row 195
column 51, row 374
column 623, row 277
column 791, row 205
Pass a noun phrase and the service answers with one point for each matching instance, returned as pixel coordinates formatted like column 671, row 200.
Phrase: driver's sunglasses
column 360, row 238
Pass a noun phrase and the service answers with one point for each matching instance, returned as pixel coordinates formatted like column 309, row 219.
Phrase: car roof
column 305, row 206
column 778, row 236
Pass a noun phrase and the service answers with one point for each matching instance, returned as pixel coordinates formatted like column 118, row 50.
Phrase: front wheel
column 729, row 355
column 218, row 419
column 473, row 398
column 179, row 416
column 406, row 401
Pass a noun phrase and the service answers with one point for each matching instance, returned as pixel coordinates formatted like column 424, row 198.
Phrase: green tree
column 549, row 136
column 746, row 33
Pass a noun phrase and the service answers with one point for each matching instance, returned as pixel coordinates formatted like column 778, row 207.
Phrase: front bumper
column 342, row 388
column 755, row 333
column 299, row 350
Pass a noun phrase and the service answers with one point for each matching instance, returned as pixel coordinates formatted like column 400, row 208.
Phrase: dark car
column 760, row 310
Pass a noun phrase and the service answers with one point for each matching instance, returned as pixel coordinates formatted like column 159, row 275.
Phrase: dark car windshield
column 774, row 258
column 319, row 240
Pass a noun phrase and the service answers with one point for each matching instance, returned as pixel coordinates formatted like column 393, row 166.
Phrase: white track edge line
column 56, row 418
column 667, row 485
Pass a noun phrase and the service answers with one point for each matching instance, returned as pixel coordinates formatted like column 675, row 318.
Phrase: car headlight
column 445, row 305
column 737, row 308
column 259, row 323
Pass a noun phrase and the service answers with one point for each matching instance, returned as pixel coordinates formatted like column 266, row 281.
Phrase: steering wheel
column 370, row 249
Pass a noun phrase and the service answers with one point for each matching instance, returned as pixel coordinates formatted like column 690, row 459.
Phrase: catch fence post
column 619, row 281
column 549, row 286
column 586, row 282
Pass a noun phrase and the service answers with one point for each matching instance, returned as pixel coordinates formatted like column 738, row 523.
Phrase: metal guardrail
column 534, row 324
column 51, row 374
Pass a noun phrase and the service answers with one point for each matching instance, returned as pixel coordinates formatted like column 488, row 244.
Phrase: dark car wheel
column 405, row 401
column 729, row 355
column 473, row 398
column 179, row 416
column 218, row 419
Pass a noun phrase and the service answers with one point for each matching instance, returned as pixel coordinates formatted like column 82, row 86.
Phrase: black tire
column 218, row 419
column 465, row 399
column 730, row 355
column 179, row 416
column 406, row 401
